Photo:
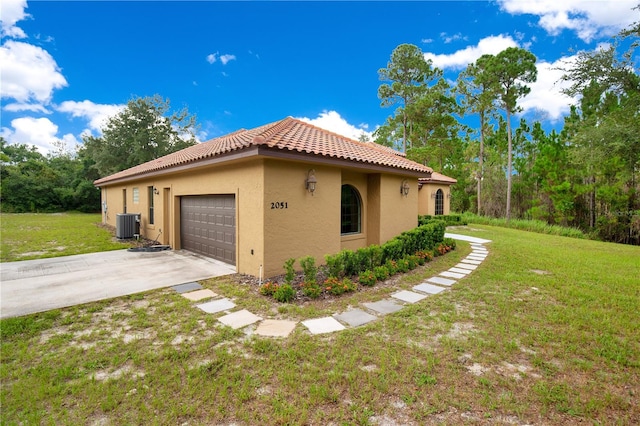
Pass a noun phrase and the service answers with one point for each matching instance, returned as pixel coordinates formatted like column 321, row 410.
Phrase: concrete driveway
column 41, row 285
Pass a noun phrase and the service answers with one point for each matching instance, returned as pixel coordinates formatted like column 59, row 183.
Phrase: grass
column 545, row 331
column 35, row 236
column 538, row 226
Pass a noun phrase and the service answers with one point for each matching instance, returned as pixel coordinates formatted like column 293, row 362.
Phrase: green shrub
column 335, row 266
column 424, row 256
column 349, row 285
column 413, row 261
column 284, row 293
column 449, row 220
column 350, row 262
column 392, row 267
column 309, row 269
column 367, row 278
column 289, row 272
column 311, row 290
column 337, row 287
column 330, row 283
column 381, row 273
column 268, row 288
column 403, row 265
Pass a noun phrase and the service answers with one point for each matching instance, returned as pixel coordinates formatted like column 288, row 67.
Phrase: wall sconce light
column 404, row 188
column 449, row 194
column 156, row 191
column 433, row 194
column 311, row 181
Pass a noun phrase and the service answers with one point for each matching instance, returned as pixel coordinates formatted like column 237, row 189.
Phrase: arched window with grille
column 439, row 202
column 350, row 211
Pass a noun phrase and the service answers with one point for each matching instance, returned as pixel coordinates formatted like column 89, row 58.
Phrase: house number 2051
column 279, row 205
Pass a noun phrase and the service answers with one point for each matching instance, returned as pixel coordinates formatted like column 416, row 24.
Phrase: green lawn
column 34, row 236
column 546, row 331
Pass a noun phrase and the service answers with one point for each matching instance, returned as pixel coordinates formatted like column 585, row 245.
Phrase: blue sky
column 67, row 66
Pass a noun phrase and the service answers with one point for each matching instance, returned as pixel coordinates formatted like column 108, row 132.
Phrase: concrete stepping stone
column 480, row 259
column 199, row 294
column 429, row 288
column 184, row 288
column 455, row 275
column 471, row 261
column 239, row 319
column 323, row 325
column 216, row 306
column 479, row 253
column 477, row 256
column 467, row 266
column 275, row 328
column 408, row 296
column 473, row 240
column 460, row 270
column 441, row 281
column 386, row 306
column 355, row 317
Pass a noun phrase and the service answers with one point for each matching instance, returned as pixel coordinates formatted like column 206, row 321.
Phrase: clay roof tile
column 288, row 134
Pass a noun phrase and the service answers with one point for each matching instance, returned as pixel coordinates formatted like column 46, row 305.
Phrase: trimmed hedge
column 349, row 263
column 449, row 220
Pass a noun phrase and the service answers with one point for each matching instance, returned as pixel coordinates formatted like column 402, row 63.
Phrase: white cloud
column 451, row 38
column 40, row 132
column 589, row 19
column 95, row 114
column 545, row 95
column 18, row 107
column 460, row 59
column 226, row 58
column 29, row 73
column 214, row 57
column 11, row 12
column 332, row 121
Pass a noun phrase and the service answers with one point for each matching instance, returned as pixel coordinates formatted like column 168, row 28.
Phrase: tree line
column 585, row 176
column 144, row 130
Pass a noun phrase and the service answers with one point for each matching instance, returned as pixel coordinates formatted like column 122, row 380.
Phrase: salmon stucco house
column 255, row 198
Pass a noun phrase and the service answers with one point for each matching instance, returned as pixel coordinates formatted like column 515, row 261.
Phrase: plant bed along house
column 349, row 271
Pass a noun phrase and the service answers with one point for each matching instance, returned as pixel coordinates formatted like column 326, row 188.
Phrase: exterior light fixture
column 433, row 194
column 156, row 191
column 404, row 188
column 311, row 181
column 449, row 194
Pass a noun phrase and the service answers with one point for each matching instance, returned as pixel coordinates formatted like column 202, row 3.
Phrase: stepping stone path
column 351, row 318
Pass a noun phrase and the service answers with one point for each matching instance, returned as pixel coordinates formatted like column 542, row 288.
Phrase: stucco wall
column 427, row 205
column 397, row 212
column 244, row 180
column 298, row 223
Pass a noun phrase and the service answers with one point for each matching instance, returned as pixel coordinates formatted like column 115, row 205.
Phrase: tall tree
column 144, row 130
column 477, row 87
column 434, row 127
column 512, row 69
column 407, row 74
column 603, row 132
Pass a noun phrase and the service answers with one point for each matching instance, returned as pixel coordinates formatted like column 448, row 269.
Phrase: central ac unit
column 127, row 225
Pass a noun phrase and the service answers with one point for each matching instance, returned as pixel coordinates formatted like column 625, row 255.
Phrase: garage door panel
column 208, row 226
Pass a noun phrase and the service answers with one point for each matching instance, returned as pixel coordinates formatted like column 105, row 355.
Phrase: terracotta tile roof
column 284, row 135
column 437, row 178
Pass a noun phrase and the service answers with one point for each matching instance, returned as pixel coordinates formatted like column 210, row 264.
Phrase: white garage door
column 208, row 225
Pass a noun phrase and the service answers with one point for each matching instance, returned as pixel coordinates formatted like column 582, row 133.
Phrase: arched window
column 439, row 202
column 350, row 211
